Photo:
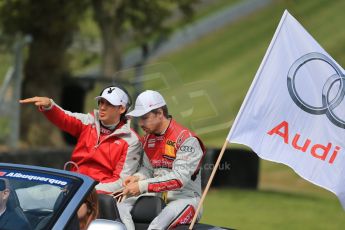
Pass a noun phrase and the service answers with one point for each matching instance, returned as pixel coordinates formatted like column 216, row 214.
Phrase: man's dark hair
column 164, row 109
column 3, row 184
column 128, row 105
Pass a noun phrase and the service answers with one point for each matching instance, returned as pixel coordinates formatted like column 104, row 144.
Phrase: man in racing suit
column 170, row 166
column 107, row 149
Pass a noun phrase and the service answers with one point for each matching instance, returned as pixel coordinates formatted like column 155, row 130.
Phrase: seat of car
column 73, row 223
column 13, row 204
column 145, row 209
column 107, row 208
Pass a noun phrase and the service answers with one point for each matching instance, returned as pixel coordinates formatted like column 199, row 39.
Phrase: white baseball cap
column 146, row 102
column 114, row 96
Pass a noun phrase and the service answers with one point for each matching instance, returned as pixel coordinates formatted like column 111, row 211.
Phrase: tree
column 51, row 25
column 142, row 20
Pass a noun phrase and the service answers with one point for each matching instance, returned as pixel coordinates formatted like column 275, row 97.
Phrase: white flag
column 294, row 111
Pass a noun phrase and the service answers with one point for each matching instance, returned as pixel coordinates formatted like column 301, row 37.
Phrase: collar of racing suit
column 165, row 130
column 170, row 128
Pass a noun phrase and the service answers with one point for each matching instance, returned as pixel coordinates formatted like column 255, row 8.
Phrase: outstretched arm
column 65, row 120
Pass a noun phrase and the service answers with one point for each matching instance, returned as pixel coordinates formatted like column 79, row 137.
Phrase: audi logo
column 328, row 103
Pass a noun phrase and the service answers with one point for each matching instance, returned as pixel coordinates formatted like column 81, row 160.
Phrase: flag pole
column 208, row 185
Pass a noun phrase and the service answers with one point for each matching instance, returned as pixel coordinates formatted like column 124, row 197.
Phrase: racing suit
column 106, row 156
column 170, row 169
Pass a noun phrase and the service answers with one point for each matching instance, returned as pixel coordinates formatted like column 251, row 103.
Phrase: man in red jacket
column 107, row 149
column 171, row 165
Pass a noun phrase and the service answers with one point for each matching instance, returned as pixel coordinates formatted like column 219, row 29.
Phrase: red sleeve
column 65, row 120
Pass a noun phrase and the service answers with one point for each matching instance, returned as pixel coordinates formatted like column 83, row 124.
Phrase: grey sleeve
column 145, row 171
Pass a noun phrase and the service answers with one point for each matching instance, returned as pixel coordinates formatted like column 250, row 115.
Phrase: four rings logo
column 328, row 105
column 186, row 148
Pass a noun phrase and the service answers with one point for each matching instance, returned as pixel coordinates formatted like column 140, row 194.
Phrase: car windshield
column 37, row 197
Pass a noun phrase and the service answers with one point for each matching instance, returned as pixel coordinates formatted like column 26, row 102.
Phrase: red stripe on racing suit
column 164, row 185
column 185, row 217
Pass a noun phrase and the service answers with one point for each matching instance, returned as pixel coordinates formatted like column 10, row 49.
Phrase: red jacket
column 107, row 160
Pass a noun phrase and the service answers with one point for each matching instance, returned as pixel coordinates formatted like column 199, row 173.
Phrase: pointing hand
column 38, row 101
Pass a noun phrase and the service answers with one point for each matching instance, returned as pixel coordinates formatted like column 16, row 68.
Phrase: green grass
column 283, row 201
column 245, row 209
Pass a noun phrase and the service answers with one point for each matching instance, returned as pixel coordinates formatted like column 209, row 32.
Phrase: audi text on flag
column 294, row 111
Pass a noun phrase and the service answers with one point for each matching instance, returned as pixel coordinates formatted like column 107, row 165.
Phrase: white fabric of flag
column 294, row 111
